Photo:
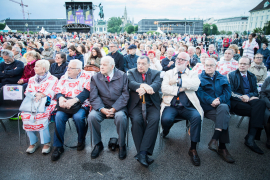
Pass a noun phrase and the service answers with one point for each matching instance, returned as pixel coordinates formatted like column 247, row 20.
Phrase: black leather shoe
column 164, row 133
column 57, row 153
column 80, row 146
column 249, row 142
column 142, row 159
column 213, row 145
column 148, row 159
column 267, row 144
column 122, row 152
column 224, row 153
column 195, row 159
column 97, row 150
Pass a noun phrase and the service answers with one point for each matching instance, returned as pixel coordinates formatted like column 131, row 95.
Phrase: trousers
column 44, row 136
column 79, row 119
column 190, row 113
column 120, row 120
column 221, row 116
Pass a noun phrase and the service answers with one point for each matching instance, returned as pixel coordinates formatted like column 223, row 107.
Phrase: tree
column 222, row 32
column 114, row 25
column 207, row 29
column 245, row 33
column 126, row 26
column 130, row 29
column 136, row 28
column 2, row 26
column 258, row 30
column 229, row 33
column 266, row 29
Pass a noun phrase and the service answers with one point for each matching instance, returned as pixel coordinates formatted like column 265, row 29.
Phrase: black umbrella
column 144, row 110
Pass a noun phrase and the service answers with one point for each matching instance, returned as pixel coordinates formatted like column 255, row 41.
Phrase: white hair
column 211, row 59
column 186, row 54
column 44, row 63
column 212, row 45
column 170, row 49
column 77, row 62
column 109, row 59
column 191, row 47
column 7, row 52
column 17, row 49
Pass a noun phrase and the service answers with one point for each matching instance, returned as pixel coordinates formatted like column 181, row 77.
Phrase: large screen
column 79, row 12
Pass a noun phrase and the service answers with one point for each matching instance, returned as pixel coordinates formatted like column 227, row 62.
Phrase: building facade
column 101, row 26
column 35, row 25
column 259, row 15
column 233, row 24
column 171, row 26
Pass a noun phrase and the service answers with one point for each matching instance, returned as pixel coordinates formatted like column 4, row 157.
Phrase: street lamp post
column 122, row 23
column 211, row 27
column 265, row 26
column 26, row 25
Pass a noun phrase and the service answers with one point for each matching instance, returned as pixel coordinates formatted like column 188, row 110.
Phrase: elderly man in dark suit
column 245, row 101
column 118, row 57
column 109, row 97
column 144, row 81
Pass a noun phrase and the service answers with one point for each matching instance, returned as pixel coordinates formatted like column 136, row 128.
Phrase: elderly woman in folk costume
column 72, row 88
column 41, row 85
column 249, row 46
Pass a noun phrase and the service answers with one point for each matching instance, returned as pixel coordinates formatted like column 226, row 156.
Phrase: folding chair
column 9, row 108
column 91, row 138
column 240, row 121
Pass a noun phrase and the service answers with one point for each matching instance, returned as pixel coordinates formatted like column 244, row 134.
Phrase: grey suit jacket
column 113, row 94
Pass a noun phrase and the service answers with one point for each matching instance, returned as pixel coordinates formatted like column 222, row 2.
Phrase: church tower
column 125, row 16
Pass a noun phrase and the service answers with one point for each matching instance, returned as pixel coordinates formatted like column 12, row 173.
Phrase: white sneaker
column 32, row 150
column 46, row 151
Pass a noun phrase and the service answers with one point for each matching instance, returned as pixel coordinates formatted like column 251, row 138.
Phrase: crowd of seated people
column 165, row 75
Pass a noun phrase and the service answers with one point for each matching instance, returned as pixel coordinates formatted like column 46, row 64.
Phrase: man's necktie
column 108, row 77
column 143, row 77
column 244, row 76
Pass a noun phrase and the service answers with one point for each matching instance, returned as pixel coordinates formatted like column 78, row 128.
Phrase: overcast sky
column 139, row 9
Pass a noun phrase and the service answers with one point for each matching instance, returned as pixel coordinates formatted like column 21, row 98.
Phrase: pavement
column 170, row 154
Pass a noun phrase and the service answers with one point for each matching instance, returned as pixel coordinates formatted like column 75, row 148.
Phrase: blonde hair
column 234, row 47
column 44, row 63
column 35, row 54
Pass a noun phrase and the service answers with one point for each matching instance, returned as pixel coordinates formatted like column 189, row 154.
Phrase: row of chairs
column 9, row 108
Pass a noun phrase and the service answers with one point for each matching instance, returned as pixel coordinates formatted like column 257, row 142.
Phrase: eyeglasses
column 72, row 68
column 210, row 65
column 259, row 57
column 180, row 59
column 243, row 64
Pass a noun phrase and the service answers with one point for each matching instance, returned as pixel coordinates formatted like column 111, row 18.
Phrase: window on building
column 261, row 24
column 250, row 25
column 262, row 17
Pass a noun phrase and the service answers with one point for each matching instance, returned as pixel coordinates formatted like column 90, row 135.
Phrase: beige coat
column 97, row 61
column 190, row 82
column 261, row 74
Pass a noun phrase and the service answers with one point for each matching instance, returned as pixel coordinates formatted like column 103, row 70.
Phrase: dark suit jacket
column 135, row 80
column 113, row 94
column 235, row 82
column 118, row 59
column 165, row 62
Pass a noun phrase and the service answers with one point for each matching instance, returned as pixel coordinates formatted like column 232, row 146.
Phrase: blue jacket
column 209, row 90
column 265, row 53
column 130, row 62
column 235, row 82
column 78, row 56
